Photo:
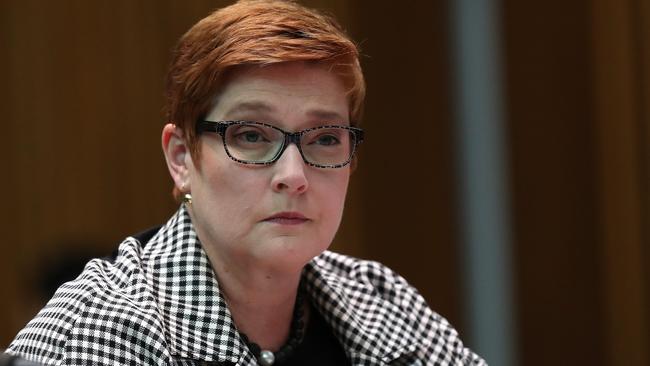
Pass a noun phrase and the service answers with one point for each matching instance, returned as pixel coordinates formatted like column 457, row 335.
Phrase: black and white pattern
column 159, row 304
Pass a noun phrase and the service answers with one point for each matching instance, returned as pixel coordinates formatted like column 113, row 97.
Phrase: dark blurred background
column 564, row 273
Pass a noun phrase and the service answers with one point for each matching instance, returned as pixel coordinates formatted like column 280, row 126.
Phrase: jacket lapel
column 196, row 319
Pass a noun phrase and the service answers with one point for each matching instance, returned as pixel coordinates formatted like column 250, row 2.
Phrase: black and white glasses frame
column 220, row 127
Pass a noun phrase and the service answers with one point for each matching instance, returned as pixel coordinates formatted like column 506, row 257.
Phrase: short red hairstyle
column 254, row 32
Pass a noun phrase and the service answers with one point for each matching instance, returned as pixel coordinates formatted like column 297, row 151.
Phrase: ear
column 177, row 155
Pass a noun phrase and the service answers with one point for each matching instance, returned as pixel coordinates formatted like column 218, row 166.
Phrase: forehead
column 285, row 93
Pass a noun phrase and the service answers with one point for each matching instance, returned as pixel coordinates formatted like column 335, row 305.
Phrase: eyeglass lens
column 258, row 144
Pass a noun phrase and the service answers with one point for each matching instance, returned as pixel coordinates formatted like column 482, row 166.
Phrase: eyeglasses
column 259, row 143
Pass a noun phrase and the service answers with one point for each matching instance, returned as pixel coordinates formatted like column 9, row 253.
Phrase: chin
column 288, row 253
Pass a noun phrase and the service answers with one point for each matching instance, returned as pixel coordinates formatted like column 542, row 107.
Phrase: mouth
column 287, row 218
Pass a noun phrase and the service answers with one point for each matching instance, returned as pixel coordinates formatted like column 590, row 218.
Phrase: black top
column 319, row 347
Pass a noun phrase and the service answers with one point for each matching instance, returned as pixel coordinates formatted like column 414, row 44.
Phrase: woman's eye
column 327, row 140
column 251, row 137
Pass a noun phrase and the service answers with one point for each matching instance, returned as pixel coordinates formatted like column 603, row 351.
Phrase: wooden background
column 81, row 104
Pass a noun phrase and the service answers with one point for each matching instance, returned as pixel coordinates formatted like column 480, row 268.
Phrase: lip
column 287, row 218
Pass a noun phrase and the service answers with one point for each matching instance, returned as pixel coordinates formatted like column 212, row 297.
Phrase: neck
column 264, row 313
column 261, row 300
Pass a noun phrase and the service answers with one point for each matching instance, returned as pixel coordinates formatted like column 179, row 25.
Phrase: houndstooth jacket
column 159, row 304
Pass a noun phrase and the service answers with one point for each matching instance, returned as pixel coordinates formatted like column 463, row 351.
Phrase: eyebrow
column 252, row 106
column 325, row 115
column 321, row 115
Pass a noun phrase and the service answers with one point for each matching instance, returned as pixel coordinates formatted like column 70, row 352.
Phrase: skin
column 256, row 259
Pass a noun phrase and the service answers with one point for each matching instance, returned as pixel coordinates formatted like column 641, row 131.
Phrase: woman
column 263, row 99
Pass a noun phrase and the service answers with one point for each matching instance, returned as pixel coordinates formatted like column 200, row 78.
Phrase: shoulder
column 107, row 313
column 382, row 299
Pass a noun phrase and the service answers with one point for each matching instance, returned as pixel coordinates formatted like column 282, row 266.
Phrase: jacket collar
column 196, row 319
column 361, row 306
column 199, row 326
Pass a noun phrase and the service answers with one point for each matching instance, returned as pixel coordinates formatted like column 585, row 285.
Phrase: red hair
column 254, row 32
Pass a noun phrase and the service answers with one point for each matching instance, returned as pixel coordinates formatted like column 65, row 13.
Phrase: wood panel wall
column 621, row 69
column 550, row 117
column 577, row 81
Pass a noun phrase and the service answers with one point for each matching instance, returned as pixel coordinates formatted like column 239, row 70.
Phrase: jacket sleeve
column 104, row 317
column 44, row 338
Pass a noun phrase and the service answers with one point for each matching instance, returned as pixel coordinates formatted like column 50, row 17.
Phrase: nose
column 289, row 172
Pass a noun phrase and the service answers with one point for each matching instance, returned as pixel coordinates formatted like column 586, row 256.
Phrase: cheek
column 333, row 197
column 224, row 189
column 235, row 192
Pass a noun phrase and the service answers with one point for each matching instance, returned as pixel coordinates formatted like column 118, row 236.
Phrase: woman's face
column 280, row 215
